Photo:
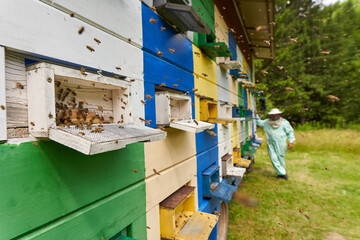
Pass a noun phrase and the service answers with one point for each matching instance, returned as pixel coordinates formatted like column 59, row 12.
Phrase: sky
column 328, row 2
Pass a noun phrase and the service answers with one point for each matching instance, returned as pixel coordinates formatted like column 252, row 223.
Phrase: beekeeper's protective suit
column 277, row 131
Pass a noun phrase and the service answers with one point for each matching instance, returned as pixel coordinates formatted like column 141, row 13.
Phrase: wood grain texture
column 234, row 98
column 177, row 147
column 153, row 223
column 41, row 34
column 223, row 82
column 102, row 219
column 121, row 18
column 3, row 124
column 204, row 65
column 16, row 98
column 224, row 149
column 47, row 181
column 158, row 187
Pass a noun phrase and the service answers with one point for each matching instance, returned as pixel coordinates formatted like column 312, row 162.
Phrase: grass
column 330, row 198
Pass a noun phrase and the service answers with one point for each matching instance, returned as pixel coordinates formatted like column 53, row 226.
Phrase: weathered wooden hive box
column 179, row 219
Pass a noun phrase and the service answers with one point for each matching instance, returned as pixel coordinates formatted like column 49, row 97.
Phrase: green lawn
column 329, row 199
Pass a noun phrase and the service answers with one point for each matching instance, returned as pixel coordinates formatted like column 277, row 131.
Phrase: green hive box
column 54, row 192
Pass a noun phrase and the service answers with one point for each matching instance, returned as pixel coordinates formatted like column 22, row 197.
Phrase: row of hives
column 99, row 80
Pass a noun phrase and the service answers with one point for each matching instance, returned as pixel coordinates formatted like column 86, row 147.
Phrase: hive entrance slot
column 84, row 102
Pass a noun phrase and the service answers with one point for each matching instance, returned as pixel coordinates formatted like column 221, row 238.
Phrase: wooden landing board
column 191, row 126
column 198, row 227
column 112, row 138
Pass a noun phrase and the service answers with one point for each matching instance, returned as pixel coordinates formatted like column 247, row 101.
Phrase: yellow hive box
column 208, row 109
column 243, row 163
column 180, row 221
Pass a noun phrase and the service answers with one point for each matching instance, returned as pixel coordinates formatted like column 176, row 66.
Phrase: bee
column 192, row 104
column 82, row 133
column 175, row 85
column 147, row 122
column 179, row 80
column 161, row 128
column 159, row 53
column 174, row 26
column 163, row 85
column 91, row 49
column 19, row 85
column 32, row 123
column 224, row 8
column 194, row 90
column 264, row 72
column 156, row 172
column 143, row 102
column 72, row 14
column 81, row 30
column 121, row 127
column 148, row 96
column 195, row 121
column 97, row 41
column 232, row 30
column 129, row 39
column 148, row 227
column 57, row 84
column 82, row 69
column 197, row 53
column 216, row 212
column 153, row 8
column 325, row 52
column 293, row 40
column 267, row 42
column 35, row 143
column 212, row 133
column 118, row 68
column 307, row 216
column 280, row 67
column 262, row 28
column 204, row 74
column 50, row 116
column 123, row 108
column 2, row 107
column 106, row 99
column 288, row 89
column 135, row 170
column 166, row 77
column 162, row 28
column 333, row 98
column 126, row 95
column 221, row 16
column 100, row 108
column 130, row 114
column 153, row 21
column 300, row 210
column 132, row 80
column 84, row 74
column 124, row 103
column 171, row 50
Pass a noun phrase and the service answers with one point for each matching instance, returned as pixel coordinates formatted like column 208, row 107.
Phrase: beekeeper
column 277, row 130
